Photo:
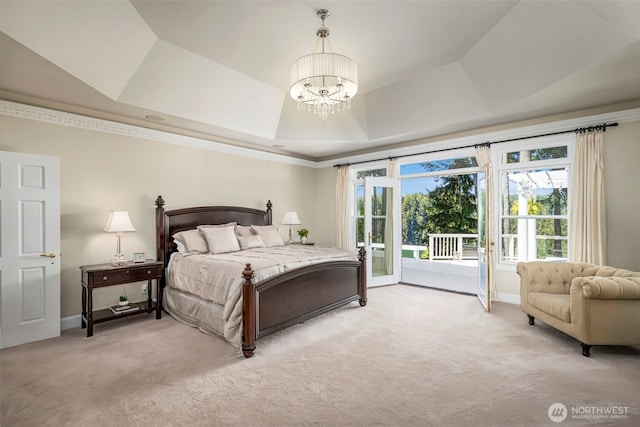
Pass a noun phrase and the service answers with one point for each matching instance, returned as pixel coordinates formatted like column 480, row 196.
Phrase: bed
column 264, row 304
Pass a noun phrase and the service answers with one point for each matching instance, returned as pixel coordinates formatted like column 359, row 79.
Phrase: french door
column 382, row 230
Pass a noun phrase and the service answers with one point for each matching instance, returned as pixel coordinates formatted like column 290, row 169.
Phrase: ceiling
column 219, row 70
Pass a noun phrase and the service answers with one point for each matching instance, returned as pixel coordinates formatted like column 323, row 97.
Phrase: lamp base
column 118, row 259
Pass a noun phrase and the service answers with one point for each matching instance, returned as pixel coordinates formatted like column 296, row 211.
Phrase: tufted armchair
column 596, row 305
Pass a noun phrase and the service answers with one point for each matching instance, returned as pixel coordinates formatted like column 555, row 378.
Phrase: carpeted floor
column 412, row 357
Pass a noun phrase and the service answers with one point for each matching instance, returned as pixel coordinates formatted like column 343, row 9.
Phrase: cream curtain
column 388, row 223
column 342, row 208
column 587, row 231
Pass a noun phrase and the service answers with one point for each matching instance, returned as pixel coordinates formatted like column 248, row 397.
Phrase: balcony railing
column 453, row 246
column 447, row 246
column 510, row 246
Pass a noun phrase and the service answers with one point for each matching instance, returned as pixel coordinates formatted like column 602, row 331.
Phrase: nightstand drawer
column 103, row 278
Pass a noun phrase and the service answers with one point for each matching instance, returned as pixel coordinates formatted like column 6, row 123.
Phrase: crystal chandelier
column 323, row 82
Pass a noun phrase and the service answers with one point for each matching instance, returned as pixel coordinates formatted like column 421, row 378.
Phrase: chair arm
column 594, row 287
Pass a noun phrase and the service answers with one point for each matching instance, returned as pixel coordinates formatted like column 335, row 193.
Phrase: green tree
column 452, row 205
column 414, row 219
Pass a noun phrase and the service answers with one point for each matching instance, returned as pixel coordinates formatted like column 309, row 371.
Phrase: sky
column 417, row 185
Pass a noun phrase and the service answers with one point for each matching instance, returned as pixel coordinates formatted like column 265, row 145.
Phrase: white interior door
column 381, row 230
column 29, row 248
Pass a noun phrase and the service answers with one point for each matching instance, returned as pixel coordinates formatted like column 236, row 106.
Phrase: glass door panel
column 380, row 200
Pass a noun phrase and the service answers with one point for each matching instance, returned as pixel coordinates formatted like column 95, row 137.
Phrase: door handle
column 369, row 239
column 48, row 255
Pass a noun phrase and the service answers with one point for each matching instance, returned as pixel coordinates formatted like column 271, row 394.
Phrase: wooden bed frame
column 277, row 302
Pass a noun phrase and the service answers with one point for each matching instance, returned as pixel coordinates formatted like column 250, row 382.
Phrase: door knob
column 48, row 255
column 369, row 239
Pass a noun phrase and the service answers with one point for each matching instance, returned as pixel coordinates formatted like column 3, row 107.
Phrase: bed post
column 160, row 229
column 269, row 215
column 362, row 276
column 248, row 313
column 160, row 246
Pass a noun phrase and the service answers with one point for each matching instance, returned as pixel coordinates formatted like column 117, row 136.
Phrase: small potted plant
column 123, row 300
column 303, row 232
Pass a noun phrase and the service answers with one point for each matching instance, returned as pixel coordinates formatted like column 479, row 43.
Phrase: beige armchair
column 596, row 305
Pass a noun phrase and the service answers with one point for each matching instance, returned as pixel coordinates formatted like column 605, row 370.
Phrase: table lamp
column 119, row 222
column 290, row 218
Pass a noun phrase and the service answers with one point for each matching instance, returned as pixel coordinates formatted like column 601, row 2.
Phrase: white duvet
column 218, row 278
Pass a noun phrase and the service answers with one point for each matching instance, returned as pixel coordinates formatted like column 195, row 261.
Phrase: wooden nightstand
column 103, row 275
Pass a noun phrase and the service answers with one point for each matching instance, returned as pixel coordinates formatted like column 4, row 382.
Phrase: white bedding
column 218, row 278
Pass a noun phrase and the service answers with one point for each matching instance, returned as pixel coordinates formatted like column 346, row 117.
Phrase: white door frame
column 485, row 272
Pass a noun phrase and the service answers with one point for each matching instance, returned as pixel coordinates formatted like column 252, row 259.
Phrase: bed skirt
column 198, row 313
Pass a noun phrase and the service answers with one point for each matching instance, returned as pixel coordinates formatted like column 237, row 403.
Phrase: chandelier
column 323, row 82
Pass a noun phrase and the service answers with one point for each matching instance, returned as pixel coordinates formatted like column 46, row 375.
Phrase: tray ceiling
column 219, row 69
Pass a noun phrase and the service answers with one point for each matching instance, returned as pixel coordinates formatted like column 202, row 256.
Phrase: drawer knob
column 104, row 277
column 148, row 271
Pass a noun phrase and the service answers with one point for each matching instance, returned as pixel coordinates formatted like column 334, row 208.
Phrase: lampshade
column 119, row 222
column 291, row 218
column 323, row 82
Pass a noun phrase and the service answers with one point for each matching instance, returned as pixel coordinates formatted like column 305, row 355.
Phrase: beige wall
column 622, row 175
column 101, row 172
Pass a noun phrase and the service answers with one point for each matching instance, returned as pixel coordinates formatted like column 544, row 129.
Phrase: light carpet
column 411, row 357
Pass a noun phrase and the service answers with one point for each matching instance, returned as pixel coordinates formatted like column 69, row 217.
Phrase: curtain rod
column 602, row 127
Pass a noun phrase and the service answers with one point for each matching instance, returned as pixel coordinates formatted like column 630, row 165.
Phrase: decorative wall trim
column 23, row 111
column 46, row 115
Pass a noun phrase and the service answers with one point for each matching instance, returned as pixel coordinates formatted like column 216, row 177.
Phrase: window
column 358, row 209
column 533, row 219
column 439, row 198
column 438, row 165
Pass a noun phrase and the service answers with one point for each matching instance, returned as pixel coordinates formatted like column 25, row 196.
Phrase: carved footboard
column 298, row 295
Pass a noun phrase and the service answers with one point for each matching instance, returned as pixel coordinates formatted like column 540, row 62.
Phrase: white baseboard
column 70, row 322
column 76, row 320
column 509, row 298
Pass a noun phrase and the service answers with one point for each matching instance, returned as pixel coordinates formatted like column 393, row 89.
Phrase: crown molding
column 46, row 115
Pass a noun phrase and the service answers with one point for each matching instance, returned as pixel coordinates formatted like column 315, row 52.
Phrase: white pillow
column 228, row 224
column 180, row 246
column 192, row 241
column 220, row 239
column 244, row 230
column 253, row 241
column 269, row 234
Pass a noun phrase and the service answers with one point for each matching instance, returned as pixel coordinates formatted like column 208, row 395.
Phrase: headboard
column 170, row 222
